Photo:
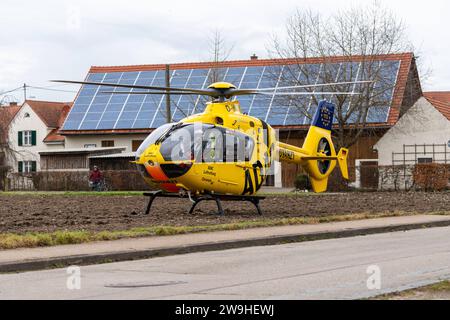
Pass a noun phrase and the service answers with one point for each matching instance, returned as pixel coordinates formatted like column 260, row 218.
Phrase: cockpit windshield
column 152, row 137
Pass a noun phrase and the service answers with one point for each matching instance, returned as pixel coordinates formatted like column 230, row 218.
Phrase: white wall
column 79, row 141
column 422, row 124
column 32, row 123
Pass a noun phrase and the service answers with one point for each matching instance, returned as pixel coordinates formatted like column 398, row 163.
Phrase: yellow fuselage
column 212, row 165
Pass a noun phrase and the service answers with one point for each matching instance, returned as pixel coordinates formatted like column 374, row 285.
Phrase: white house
column 426, row 123
column 33, row 129
column 421, row 135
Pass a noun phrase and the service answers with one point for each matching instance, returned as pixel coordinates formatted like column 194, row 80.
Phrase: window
column 27, row 166
column 107, row 143
column 90, row 145
column 27, row 138
column 135, row 144
column 26, row 115
column 424, row 160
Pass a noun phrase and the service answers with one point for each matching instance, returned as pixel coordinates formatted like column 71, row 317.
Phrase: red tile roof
column 50, row 112
column 6, row 116
column 440, row 100
column 53, row 136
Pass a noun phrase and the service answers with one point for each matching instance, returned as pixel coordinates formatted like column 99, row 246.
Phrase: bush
column 431, row 176
column 302, row 182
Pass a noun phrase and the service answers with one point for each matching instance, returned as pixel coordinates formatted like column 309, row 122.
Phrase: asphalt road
column 327, row 269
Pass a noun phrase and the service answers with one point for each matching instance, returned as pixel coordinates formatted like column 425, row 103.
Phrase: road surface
column 327, row 269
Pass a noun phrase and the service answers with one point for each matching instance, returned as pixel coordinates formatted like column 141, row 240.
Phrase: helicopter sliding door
column 227, row 155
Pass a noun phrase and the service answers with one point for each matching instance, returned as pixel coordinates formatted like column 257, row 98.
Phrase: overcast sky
column 49, row 39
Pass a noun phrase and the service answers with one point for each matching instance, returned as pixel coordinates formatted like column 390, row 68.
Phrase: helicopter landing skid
column 207, row 197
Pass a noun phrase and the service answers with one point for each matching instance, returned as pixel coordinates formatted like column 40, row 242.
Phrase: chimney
column 254, row 57
column 13, row 104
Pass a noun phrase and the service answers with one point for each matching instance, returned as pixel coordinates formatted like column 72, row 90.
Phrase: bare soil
column 47, row 213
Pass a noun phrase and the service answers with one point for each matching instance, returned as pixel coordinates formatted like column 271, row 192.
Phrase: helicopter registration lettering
column 286, row 155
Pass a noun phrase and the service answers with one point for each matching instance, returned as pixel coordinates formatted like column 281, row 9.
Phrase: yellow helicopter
column 224, row 154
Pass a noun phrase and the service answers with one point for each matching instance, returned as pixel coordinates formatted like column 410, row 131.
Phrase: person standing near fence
column 95, row 179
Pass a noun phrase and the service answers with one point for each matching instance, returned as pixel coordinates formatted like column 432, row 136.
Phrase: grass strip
column 45, row 239
column 418, row 293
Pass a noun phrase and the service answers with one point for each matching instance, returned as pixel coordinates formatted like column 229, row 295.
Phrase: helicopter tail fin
column 319, row 145
column 342, row 161
column 317, row 156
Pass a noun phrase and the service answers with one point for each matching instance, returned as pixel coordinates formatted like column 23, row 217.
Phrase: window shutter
column 33, row 166
column 33, row 138
column 20, row 138
column 20, row 166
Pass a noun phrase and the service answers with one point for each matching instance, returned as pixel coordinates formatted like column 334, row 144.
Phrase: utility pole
column 24, row 92
column 168, row 113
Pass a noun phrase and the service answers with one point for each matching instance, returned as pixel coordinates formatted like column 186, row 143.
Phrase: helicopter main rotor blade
column 317, row 93
column 314, row 85
column 212, row 93
column 149, row 92
column 241, row 92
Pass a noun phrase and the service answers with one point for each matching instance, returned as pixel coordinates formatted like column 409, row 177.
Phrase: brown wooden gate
column 369, row 174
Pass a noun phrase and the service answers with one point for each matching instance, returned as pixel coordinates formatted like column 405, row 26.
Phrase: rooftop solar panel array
column 95, row 110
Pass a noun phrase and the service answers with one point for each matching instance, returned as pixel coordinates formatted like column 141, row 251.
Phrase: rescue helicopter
column 225, row 154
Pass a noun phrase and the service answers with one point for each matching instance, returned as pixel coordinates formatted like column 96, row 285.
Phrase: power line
column 49, row 89
column 25, row 86
column 9, row 91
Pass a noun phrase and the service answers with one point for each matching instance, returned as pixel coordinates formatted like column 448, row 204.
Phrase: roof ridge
column 443, row 106
column 46, row 101
column 237, row 63
column 49, row 112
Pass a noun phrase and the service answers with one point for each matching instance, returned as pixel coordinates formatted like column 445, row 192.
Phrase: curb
column 108, row 257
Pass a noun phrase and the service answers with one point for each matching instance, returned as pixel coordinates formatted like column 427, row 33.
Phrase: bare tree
column 219, row 52
column 362, row 32
column 7, row 153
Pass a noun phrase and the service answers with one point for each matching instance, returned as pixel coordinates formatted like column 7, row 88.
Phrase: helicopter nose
column 155, row 171
column 157, row 174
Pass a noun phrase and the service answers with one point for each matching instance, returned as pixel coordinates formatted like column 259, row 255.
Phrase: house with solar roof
column 104, row 120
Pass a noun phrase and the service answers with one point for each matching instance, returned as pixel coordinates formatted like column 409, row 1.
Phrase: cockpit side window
column 213, row 145
column 239, row 147
column 205, row 143
column 248, row 148
column 177, row 144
